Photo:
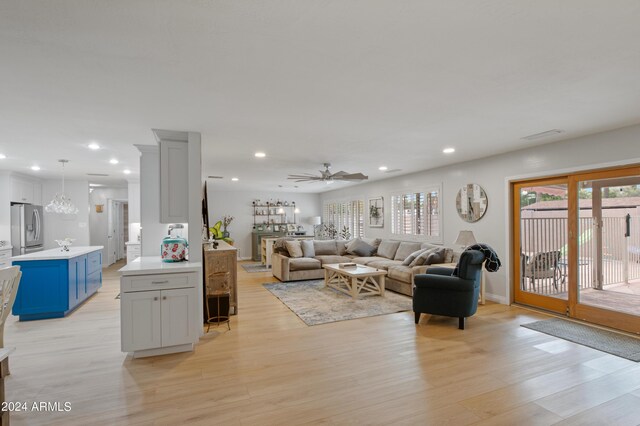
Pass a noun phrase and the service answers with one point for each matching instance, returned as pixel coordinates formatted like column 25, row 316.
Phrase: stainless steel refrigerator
column 26, row 229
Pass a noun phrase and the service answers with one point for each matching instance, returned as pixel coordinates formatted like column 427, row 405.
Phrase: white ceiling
column 356, row 83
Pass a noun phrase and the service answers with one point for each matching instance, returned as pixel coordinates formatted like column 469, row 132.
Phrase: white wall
column 493, row 173
column 56, row 226
column 133, row 191
column 98, row 222
column 5, row 207
column 239, row 205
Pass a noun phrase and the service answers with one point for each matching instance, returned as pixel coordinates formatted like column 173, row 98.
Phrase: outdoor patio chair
column 541, row 266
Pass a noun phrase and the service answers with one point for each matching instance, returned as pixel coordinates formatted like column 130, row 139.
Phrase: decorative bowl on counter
column 64, row 244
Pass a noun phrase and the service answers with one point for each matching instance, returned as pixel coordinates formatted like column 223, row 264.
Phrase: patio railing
column 620, row 254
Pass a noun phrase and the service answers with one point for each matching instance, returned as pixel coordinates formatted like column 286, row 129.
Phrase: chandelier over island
column 61, row 204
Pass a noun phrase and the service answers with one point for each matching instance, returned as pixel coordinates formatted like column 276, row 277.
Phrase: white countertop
column 154, row 265
column 57, row 253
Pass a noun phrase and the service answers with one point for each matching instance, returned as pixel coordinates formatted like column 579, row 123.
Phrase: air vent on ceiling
column 215, row 177
column 543, row 134
column 393, row 171
column 97, row 174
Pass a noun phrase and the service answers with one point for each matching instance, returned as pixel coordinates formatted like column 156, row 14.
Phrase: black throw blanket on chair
column 491, row 261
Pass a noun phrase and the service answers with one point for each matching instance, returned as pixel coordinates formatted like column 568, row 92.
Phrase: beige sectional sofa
column 389, row 256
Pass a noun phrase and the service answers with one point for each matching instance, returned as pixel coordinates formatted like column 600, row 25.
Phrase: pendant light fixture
column 61, row 204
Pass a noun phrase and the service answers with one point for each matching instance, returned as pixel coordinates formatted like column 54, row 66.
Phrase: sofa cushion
column 407, row 261
column 360, row 248
column 388, row 248
column 307, row 248
column 294, row 249
column 405, row 249
column 364, row 260
column 326, row 259
column 383, row 263
column 304, row 264
column 323, row 247
column 401, row 273
column 430, row 256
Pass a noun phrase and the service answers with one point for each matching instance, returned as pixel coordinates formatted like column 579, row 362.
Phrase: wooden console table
column 217, row 261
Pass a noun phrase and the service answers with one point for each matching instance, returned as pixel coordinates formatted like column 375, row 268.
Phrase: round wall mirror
column 471, row 202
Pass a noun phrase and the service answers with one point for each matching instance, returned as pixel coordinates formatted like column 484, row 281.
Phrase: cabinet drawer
column 5, row 255
column 94, row 262
column 157, row 282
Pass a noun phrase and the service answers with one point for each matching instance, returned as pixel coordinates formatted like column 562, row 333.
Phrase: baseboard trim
column 495, row 298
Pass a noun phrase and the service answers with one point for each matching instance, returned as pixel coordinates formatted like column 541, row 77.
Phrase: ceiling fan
column 327, row 176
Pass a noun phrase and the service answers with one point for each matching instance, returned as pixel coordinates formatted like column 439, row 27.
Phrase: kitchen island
column 55, row 282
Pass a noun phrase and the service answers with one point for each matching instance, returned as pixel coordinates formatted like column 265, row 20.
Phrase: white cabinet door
column 178, row 316
column 140, row 323
column 174, row 182
column 21, row 190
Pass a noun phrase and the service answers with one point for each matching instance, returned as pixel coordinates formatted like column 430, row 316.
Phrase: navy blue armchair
column 439, row 293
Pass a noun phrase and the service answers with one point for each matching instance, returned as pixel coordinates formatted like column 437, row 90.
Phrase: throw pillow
column 307, row 248
column 405, row 249
column 294, row 248
column 388, row 249
column 412, row 256
column 361, row 249
column 438, row 254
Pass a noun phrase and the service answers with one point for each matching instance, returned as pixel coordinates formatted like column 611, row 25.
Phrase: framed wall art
column 376, row 212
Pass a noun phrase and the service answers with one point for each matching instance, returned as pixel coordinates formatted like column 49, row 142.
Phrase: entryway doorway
column 576, row 246
column 117, row 230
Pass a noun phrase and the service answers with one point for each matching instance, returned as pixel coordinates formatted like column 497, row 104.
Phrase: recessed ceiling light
column 2, row 156
column 126, row 171
column 94, row 146
column 449, row 150
column 382, row 168
column 260, row 154
column 114, row 161
column 35, row 168
column 235, row 179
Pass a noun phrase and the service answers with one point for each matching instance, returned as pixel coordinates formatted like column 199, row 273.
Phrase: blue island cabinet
column 51, row 288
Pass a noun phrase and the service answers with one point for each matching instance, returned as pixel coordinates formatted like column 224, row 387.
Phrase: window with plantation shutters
column 342, row 214
column 417, row 214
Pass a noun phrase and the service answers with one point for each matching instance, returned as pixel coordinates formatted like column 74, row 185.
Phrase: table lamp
column 465, row 239
column 315, row 221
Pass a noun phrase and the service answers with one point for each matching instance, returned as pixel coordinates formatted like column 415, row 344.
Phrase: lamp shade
column 316, row 220
column 465, row 239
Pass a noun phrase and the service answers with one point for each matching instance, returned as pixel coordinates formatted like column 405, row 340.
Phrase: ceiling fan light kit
column 328, row 177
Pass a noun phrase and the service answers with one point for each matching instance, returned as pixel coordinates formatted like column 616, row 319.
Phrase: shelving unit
column 270, row 214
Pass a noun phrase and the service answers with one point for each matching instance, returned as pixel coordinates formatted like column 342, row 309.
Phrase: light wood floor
column 271, row 369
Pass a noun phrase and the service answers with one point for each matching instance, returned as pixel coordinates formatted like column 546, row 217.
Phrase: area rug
column 255, row 267
column 602, row 340
column 316, row 304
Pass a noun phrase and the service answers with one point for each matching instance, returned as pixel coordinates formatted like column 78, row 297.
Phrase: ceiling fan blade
column 352, row 176
column 339, row 174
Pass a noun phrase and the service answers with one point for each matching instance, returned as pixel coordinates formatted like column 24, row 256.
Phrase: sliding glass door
column 608, row 262
column 576, row 246
column 541, row 211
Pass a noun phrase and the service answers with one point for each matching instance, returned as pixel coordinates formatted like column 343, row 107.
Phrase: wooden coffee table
column 359, row 281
